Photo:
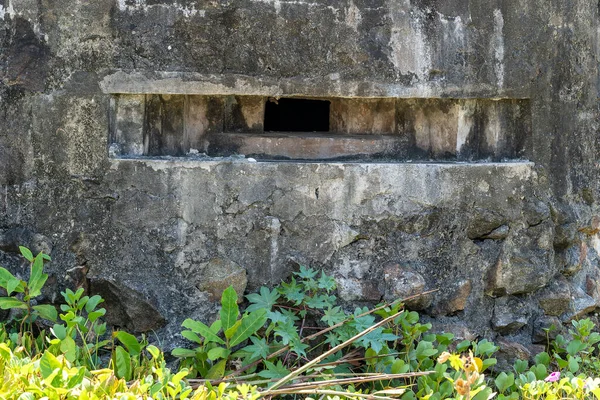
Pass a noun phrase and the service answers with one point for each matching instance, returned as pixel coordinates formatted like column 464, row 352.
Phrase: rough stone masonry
column 457, row 149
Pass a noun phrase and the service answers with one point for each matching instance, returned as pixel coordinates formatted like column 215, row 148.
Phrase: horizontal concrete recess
column 367, row 129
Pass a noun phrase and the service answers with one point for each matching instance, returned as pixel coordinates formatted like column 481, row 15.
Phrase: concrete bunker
column 406, row 81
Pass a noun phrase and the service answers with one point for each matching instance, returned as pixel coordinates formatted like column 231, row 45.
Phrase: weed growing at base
column 291, row 340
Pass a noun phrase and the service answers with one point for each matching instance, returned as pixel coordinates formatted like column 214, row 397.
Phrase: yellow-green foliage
column 576, row 388
column 55, row 378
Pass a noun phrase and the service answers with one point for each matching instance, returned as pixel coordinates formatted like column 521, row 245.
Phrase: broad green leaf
column 333, row 315
column 485, row 348
column 122, row 363
column 13, row 285
column 292, row 292
column 487, row 363
column 5, row 351
column 484, row 394
column 250, row 324
column 183, row 353
column 306, row 273
column 463, row 346
column 573, row 364
column 191, row 336
column 286, row 331
column 48, row 363
column 10, row 302
column 217, row 371
column 364, row 322
column 69, row 348
column 276, row 317
column 520, row 366
column 92, row 302
column 561, row 363
column 378, row 338
column 218, row 352
column 94, row 315
column 5, row 276
column 542, row 358
column 176, row 379
column 26, row 253
column 320, row 301
column 273, row 370
column 258, row 349
column 37, row 270
column 399, row 367
column 593, row 338
column 154, row 351
column 47, row 311
column 575, row 346
column 215, row 327
column 504, row 381
column 266, row 299
column 205, row 331
column 53, row 380
column 59, row 331
column 229, row 308
column 326, row 282
column 291, row 315
column 298, row 347
column 36, row 289
column 130, row 342
column 540, row 371
column 100, row 329
column 231, row 331
column 76, row 379
column 370, row 356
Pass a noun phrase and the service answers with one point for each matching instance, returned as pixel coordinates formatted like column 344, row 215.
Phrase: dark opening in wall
column 296, row 115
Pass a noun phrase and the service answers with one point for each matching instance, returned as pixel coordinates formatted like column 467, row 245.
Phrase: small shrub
column 21, row 294
column 216, row 342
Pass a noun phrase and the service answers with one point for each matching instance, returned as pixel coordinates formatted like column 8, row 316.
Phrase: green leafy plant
column 291, row 308
column 21, row 295
column 576, row 356
column 217, row 342
column 130, row 359
column 52, row 377
column 82, row 336
column 393, row 350
column 82, row 324
column 293, row 339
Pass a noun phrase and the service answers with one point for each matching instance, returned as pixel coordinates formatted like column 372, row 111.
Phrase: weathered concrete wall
column 149, row 233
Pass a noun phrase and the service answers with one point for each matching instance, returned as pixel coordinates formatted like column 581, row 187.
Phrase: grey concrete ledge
column 332, row 86
column 346, row 190
column 194, row 162
column 513, row 169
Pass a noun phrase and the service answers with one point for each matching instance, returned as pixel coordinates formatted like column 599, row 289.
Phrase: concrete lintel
column 236, row 84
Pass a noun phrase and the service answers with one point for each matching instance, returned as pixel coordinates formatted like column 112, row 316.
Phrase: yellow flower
column 470, row 363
